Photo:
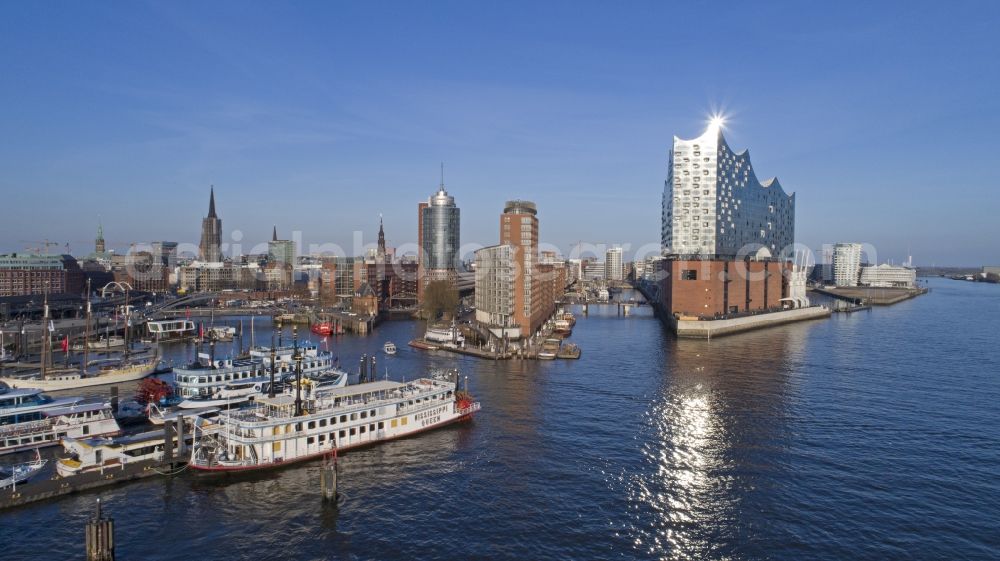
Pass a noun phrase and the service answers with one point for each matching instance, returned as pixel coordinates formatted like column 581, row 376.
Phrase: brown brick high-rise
column 533, row 301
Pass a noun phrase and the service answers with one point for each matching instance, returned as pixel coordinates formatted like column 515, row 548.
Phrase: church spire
column 99, row 242
column 211, row 204
column 210, row 248
column 381, row 236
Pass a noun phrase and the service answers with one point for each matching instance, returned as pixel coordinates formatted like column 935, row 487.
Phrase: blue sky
column 318, row 117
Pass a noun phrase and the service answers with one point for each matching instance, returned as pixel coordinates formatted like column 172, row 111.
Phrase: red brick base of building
column 718, row 287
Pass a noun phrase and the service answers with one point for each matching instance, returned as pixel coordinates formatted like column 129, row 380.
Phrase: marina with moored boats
column 230, row 405
column 127, row 368
column 218, row 405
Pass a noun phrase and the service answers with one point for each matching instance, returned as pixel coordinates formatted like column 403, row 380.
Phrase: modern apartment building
column 594, row 270
column 846, row 264
column 613, row 267
column 886, row 275
column 495, row 275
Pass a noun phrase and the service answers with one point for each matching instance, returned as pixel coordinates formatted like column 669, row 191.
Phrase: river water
column 874, row 435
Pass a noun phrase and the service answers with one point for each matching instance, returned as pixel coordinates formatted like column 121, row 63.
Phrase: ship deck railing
column 243, row 433
column 236, row 435
column 470, row 409
column 25, row 428
column 264, row 414
column 327, row 403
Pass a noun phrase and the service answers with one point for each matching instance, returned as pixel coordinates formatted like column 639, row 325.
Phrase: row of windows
column 343, row 419
column 11, row 442
column 345, row 432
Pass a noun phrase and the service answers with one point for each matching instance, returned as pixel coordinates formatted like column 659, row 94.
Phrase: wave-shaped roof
column 743, row 156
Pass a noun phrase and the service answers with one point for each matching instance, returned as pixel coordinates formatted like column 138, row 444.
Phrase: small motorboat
column 549, row 350
column 569, row 351
column 389, row 348
column 563, row 327
column 19, row 473
column 323, row 328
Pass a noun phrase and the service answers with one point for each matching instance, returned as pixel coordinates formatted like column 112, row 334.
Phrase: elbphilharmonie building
column 714, row 205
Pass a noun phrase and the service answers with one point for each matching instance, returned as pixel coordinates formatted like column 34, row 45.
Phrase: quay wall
column 706, row 329
column 42, row 489
column 875, row 296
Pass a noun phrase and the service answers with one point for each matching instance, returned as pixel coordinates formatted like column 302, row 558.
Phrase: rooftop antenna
column 442, row 176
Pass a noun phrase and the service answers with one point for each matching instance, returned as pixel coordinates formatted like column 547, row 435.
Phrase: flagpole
column 128, row 324
column 86, row 336
column 45, row 334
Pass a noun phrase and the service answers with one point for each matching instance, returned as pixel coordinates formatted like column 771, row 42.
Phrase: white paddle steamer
column 285, row 428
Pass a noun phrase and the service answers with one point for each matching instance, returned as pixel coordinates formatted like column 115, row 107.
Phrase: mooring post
column 181, row 446
column 100, row 537
column 168, row 441
column 328, row 479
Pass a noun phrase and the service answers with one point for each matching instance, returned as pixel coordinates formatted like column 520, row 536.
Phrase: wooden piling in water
column 168, row 441
column 328, row 480
column 181, row 445
column 100, row 537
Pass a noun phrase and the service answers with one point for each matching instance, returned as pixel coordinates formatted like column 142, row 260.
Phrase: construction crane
column 39, row 244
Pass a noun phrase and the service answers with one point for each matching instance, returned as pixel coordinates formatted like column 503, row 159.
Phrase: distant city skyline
column 319, row 118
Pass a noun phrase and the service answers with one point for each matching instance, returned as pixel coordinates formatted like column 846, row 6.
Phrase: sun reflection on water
column 718, row 404
column 682, row 482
